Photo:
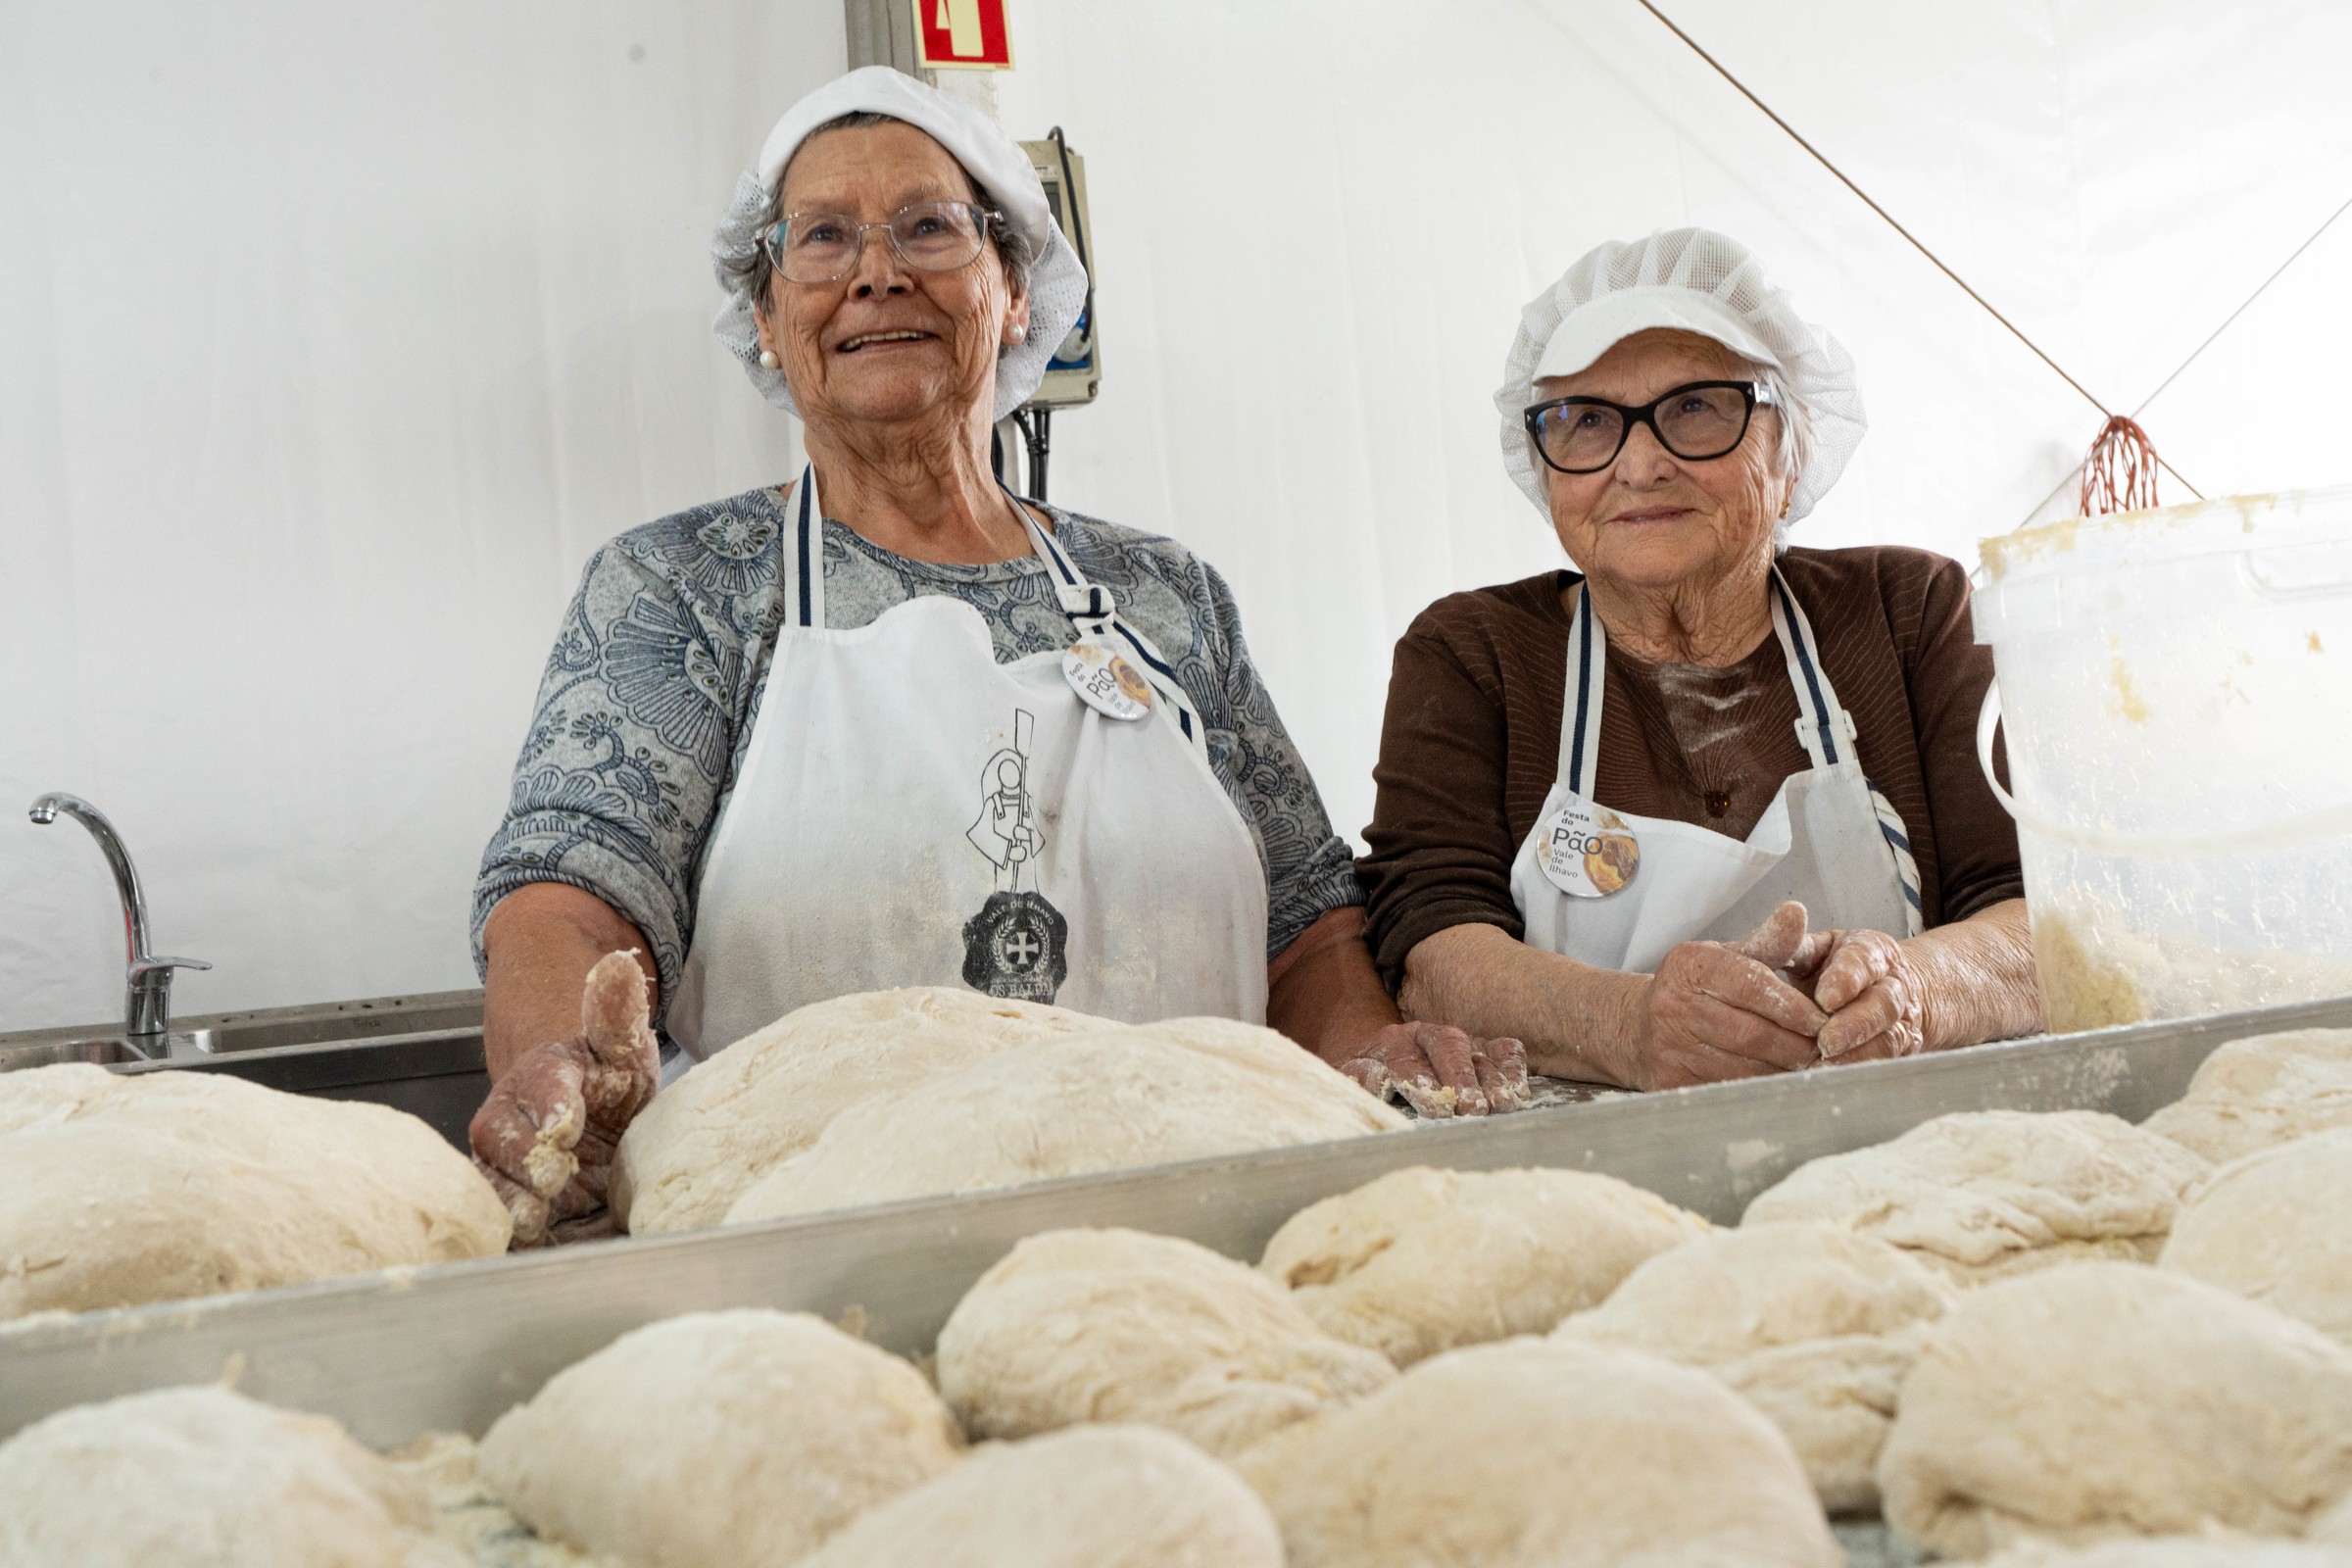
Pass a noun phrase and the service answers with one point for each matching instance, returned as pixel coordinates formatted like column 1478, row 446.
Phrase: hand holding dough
column 1441, row 1071
column 546, row 1135
column 1718, row 1010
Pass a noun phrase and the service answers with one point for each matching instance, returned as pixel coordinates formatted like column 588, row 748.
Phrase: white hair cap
column 1696, row 280
column 993, row 160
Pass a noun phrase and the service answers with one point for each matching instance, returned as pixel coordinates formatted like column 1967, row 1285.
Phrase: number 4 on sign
column 962, row 35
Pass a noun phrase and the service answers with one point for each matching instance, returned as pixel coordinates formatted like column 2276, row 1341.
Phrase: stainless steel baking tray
column 452, row 1346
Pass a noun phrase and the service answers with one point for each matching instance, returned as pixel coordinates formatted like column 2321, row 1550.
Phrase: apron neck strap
column 1081, row 600
column 805, row 557
column 1823, row 727
column 1096, row 614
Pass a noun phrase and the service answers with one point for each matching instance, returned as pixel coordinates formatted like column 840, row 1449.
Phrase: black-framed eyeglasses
column 1696, row 421
column 928, row 236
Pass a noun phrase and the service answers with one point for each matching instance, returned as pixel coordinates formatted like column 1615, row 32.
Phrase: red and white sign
column 962, row 36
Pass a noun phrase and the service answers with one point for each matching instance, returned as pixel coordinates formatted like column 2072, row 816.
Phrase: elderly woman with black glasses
column 888, row 725
column 1708, row 806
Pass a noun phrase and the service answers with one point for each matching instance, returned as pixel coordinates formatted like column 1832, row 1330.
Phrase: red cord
column 2120, row 475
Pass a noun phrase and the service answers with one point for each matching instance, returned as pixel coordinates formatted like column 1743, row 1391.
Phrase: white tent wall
column 1317, row 220
column 332, row 342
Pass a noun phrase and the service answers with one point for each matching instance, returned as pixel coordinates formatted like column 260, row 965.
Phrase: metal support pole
column 881, row 32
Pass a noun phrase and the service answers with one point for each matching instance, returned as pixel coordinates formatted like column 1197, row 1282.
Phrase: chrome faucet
column 147, row 1004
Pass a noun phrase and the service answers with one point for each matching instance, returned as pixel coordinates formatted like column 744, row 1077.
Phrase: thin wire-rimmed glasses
column 928, row 236
column 1696, row 421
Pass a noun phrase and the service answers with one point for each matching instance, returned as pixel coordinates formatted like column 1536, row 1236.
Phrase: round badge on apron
column 1104, row 681
column 1588, row 851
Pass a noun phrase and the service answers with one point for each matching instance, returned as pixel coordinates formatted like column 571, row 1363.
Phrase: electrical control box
column 1075, row 373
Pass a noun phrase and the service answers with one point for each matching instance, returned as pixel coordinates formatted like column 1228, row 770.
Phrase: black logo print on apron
column 1018, row 944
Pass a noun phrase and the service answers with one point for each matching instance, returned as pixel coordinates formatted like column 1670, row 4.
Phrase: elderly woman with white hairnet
column 1707, row 806
column 887, row 724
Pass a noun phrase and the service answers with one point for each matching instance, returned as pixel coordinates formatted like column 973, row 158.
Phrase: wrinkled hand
column 1723, row 1009
column 1872, row 993
column 545, row 1136
column 1440, row 1071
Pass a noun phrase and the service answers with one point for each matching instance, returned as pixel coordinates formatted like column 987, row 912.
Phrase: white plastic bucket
column 2175, row 692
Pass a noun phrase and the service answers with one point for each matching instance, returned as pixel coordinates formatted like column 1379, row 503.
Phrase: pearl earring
column 1019, row 333
column 769, row 360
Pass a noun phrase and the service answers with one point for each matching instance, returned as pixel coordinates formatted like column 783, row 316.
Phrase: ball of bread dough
column 1115, row 1325
column 2173, row 1551
column 1985, row 1194
column 1814, row 1325
column 467, row 1512
column 120, row 1189
column 2260, row 1091
column 1536, row 1454
column 2276, row 1227
column 1423, row 1261
column 2334, row 1527
column 718, row 1440
column 1096, row 1497
column 1185, row 1089
column 2112, row 1399
column 203, row 1478
column 734, row 1118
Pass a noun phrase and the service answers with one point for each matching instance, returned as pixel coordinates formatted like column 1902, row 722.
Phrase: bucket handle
column 2324, row 822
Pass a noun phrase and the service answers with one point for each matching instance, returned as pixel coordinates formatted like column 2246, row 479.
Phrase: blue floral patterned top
column 648, row 699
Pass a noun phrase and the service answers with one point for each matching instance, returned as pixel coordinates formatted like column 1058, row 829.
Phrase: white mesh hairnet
column 1700, row 282
column 1056, row 282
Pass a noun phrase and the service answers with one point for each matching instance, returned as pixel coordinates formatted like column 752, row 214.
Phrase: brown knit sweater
column 1471, row 742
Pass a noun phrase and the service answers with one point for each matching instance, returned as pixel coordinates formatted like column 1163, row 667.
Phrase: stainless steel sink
column 420, row 1054
column 261, row 1029
column 332, row 1021
column 104, row 1053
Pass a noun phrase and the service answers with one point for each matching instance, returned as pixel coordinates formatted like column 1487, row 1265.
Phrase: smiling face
column 888, row 344
column 1653, row 520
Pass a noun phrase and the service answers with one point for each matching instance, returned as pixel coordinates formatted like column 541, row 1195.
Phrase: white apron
column 910, row 811
column 1828, row 840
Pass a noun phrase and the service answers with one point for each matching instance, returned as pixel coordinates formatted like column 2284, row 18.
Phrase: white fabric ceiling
column 332, row 341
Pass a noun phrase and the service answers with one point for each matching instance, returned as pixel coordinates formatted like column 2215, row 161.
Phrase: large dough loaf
column 1424, row 1260
column 1536, row 1454
column 2276, row 1227
column 2260, row 1091
column 203, row 1478
column 1116, row 1325
column 120, row 1189
column 2229, row 1550
column 1094, row 1497
column 1128, row 1096
column 718, row 1440
column 1814, row 1325
column 2113, row 1399
column 734, row 1118
column 1985, row 1194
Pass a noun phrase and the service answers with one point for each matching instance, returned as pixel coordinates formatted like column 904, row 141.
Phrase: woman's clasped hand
column 1779, row 999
